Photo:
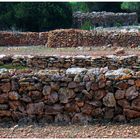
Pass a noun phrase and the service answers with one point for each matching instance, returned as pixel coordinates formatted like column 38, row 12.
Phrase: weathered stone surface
column 3, row 106
column 123, row 103
column 62, row 118
column 120, row 118
column 131, row 114
column 71, row 107
column 137, row 83
column 35, row 108
column 109, row 113
column 3, row 98
column 46, row 90
column 98, row 95
column 81, row 118
column 65, row 94
column 53, row 110
column 14, row 95
column 131, row 93
column 35, row 95
column 53, row 97
column 109, row 100
column 119, row 94
column 97, row 112
column 87, row 109
column 5, row 87
column 72, row 85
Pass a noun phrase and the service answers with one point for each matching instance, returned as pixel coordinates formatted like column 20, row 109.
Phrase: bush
column 87, row 26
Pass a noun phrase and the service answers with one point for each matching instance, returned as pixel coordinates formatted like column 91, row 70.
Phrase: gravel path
column 41, row 50
column 95, row 130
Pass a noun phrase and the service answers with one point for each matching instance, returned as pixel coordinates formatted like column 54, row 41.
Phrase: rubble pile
column 76, row 95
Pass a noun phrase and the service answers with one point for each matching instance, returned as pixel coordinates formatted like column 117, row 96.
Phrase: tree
column 132, row 7
column 35, row 16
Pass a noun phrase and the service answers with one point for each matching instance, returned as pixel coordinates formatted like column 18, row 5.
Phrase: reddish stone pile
column 70, row 38
column 23, row 38
column 75, row 38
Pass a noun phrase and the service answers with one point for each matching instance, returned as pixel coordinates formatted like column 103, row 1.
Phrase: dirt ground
column 94, row 130
column 42, row 50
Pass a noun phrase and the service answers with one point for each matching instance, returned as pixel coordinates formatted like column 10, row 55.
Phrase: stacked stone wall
column 104, row 19
column 70, row 38
column 78, row 95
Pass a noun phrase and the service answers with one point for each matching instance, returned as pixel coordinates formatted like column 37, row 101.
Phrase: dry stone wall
column 104, row 19
column 70, row 38
column 77, row 95
column 23, row 38
column 65, row 62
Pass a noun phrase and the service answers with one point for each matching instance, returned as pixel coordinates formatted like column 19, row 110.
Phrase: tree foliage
column 35, row 16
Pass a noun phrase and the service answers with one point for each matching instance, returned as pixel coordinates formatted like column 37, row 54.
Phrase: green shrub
column 87, row 26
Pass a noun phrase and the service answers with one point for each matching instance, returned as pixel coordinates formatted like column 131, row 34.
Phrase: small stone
column 94, row 86
column 123, row 103
column 88, row 85
column 87, row 109
column 3, row 106
column 131, row 114
column 109, row 113
column 53, row 97
column 46, row 90
column 137, row 82
column 72, row 85
column 99, row 94
column 109, row 100
column 120, row 118
column 14, row 95
column 55, row 86
column 71, row 107
column 3, row 98
column 119, row 94
column 119, row 51
column 131, row 93
column 131, row 82
column 5, row 87
column 62, row 118
column 97, row 112
column 35, row 108
column 81, row 118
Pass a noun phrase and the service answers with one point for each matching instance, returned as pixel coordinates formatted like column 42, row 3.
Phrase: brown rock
column 102, row 83
column 14, row 105
column 98, row 95
column 119, row 94
column 87, row 94
column 131, row 114
column 131, row 93
column 123, row 103
column 81, row 118
column 46, row 90
column 26, row 99
column 71, row 107
column 5, row 87
column 119, row 51
column 65, row 94
column 16, row 115
column 53, row 110
column 87, row 109
column 62, row 118
column 13, row 95
column 35, row 95
column 137, row 82
column 131, row 82
column 80, row 103
column 5, row 113
column 120, row 118
column 122, row 85
column 3, row 98
column 109, row 100
column 95, row 103
column 97, row 112
column 94, row 86
column 55, row 86
column 53, row 97
column 88, row 85
column 109, row 113
column 72, row 85
column 35, row 108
